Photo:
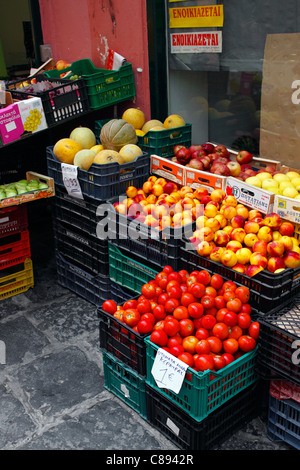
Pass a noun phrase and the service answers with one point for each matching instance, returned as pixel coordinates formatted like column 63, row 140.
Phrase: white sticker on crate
column 70, row 179
column 168, row 371
column 171, row 425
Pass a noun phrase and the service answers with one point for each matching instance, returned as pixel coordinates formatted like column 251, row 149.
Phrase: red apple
column 196, row 163
column 178, row 147
column 212, row 156
column 234, row 168
column 193, row 148
column 246, row 166
column 198, row 154
column 219, row 168
column 224, row 160
column 183, row 156
column 208, row 147
column 244, row 157
column 222, row 151
column 206, row 162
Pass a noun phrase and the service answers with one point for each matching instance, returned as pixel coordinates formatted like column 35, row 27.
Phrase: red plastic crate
column 13, row 219
column 14, row 249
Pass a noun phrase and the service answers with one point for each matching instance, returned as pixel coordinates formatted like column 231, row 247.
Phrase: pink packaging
column 11, row 125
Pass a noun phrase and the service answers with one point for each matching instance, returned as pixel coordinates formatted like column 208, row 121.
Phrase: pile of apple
column 198, row 317
column 277, row 182
column 212, row 158
column 244, row 239
column 161, row 203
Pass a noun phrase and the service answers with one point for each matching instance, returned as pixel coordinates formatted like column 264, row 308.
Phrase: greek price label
column 168, row 371
column 70, row 179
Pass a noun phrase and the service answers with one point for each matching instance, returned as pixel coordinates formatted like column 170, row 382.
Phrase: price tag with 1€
column 168, row 371
column 70, row 179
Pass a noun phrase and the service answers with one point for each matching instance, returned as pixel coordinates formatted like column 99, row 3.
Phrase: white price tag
column 168, row 371
column 70, row 179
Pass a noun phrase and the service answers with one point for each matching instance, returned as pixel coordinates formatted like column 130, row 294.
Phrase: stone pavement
column 52, row 394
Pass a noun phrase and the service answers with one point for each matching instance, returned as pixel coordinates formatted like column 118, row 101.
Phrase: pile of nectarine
column 244, row 239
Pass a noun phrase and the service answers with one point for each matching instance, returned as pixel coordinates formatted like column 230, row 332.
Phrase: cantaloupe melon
column 84, row 136
column 108, row 156
column 65, row 150
column 116, row 133
column 149, row 124
column 84, row 158
column 130, row 151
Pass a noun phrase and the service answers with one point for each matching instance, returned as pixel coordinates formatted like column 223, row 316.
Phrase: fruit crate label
column 168, row 371
column 70, row 179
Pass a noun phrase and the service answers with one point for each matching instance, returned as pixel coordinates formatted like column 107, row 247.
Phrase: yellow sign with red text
column 210, row 16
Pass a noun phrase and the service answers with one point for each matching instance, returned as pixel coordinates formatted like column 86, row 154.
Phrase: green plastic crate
column 162, row 143
column 203, row 392
column 125, row 384
column 104, row 87
column 126, row 271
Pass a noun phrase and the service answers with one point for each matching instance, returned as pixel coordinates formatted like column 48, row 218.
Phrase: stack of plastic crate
column 278, row 363
column 16, row 271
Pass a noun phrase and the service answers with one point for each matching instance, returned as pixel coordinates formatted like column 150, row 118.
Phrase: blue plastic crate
column 284, row 421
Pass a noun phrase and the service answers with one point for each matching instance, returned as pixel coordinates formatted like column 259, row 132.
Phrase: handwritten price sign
column 168, row 371
column 70, row 179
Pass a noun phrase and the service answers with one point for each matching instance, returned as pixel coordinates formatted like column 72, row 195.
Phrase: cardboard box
column 251, row 196
column 165, row 168
column 21, row 118
column 288, row 208
column 31, row 195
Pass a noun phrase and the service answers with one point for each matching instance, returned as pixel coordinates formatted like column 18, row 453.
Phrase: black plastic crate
column 67, row 98
column 93, row 288
column 279, row 339
column 105, row 181
column 284, row 421
column 157, row 248
column 268, row 290
column 122, row 342
column 188, row 434
column 87, row 252
column 78, row 213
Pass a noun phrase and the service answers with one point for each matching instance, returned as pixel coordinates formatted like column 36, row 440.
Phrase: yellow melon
column 130, row 151
column 139, row 132
column 149, row 124
column 84, row 136
column 65, row 150
column 174, row 120
column 84, row 158
column 158, row 128
column 135, row 117
column 108, row 156
column 96, row 148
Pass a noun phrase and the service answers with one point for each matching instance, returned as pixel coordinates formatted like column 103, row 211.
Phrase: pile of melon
column 118, row 143
column 136, row 118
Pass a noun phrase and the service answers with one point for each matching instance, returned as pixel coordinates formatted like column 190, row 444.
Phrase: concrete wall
column 78, row 29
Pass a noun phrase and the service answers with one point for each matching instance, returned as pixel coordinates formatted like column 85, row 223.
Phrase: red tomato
column 119, row 315
column 186, row 327
column 174, row 276
column 235, row 332
column 229, row 295
column 148, row 290
column 215, row 344
column 208, row 321
column 220, row 302
column 230, row 318
column 195, row 310
column 176, row 350
column 246, row 343
column 131, row 317
column 172, row 283
column 191, row 280
column 159, row 325
column 144, row 306
column 144, row 326
column 175, row 291
column 216, row 281
column 153, row 305
column 204, row 362
column 180, row 312
column 171, row 327
column 174, row 341
column 202, row 347
column 204, row 277
column 187, row 358
column 197, row 289
column 187, row 298
column 184, row 288
column 171, row 305
column 208, row 301
column 254, row 329
column 161, row 279
column 209, row 290
column 220, row 330
column 229, row 285
column 230, row 345
column 244, row 320
column 234, row 305
column 159, row 312
column 148, row 316
column 201, row 333
column 168, row 269
column 221, row 313
column 159, row 337
column 183, row 274
column 109, row 306
column 189, row 343
column 162, row 298
column 246, row 308
column 130, row 304
column 228, row 358
column 243, row 293
column 219, row 362
column 211, row 311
